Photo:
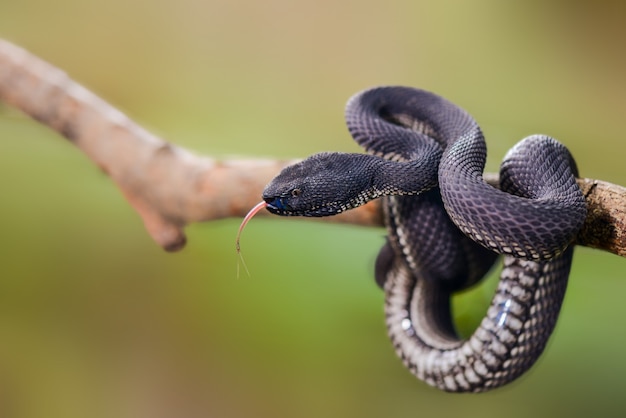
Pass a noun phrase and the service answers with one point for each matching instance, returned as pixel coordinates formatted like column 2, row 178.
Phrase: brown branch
column 171, row 187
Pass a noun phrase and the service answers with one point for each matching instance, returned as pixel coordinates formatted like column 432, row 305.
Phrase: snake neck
column 407, row 178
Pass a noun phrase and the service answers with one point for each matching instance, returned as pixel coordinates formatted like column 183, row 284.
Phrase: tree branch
column 170, row 187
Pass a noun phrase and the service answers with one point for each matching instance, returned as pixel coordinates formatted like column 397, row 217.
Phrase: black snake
column 446, row 226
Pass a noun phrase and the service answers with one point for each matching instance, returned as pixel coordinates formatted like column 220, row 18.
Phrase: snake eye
column 296, row 192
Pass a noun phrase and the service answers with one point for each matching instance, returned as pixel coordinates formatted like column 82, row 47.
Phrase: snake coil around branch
column 446, row 225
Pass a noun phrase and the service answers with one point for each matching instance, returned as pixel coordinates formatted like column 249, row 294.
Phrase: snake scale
column 446, row 227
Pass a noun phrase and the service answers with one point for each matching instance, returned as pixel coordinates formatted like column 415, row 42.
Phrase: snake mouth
column 278, row 205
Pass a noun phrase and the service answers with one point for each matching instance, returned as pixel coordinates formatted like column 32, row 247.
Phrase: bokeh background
column 97, row 321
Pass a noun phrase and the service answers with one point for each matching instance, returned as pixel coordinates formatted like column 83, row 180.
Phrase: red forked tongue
column 249, row 216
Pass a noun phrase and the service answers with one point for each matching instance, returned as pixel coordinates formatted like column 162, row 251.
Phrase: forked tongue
column 249, row 216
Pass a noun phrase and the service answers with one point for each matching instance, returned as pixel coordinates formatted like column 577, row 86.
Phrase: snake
column 446, row 227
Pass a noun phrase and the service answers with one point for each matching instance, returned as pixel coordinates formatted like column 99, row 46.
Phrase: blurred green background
column 97, row 321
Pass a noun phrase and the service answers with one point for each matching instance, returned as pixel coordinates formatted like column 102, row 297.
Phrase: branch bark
column 171, row 187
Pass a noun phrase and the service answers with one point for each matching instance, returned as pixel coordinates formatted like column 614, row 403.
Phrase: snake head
column 324, row 184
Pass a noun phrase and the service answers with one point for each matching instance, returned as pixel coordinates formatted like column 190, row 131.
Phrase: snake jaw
column 278, row 205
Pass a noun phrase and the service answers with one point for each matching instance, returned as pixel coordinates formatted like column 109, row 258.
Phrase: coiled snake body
column 446, row 226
